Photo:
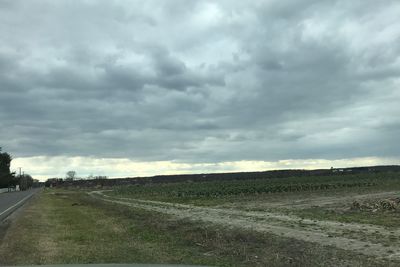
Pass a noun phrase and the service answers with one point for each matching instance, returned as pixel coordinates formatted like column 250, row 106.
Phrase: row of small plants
column 248, row 187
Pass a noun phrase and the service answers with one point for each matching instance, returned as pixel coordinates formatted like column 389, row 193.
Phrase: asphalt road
column 11, row 201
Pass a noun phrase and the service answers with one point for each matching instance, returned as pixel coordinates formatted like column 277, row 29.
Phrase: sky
column 137, row 88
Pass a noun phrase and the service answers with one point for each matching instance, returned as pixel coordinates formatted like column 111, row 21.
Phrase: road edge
column 5, row 214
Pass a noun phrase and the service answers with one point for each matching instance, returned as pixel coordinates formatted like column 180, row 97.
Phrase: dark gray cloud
column 200, row 81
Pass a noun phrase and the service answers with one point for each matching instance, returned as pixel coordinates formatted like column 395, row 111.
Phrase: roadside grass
column 65, row 226
column 26, row 240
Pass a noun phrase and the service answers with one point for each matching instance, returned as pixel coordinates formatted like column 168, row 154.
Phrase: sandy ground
column 294, row 202
column 360, row 238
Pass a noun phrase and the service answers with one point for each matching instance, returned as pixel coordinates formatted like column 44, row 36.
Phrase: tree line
column 71, row 177
column 9, row 179
column 95, row 181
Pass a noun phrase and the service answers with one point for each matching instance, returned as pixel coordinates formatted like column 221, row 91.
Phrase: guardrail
column 11, row 189
column 3, row 190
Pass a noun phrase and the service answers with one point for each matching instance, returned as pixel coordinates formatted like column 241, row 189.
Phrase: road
column 10, row 201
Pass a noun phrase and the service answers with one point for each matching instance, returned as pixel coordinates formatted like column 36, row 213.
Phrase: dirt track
column 311, row 201
column 360, row 238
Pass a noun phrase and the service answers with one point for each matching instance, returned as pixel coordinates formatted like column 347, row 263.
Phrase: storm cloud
column 199, row 82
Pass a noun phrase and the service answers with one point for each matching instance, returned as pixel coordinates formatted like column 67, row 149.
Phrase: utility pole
column 20, row 171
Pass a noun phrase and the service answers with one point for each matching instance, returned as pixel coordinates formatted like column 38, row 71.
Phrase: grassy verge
column 71, row 227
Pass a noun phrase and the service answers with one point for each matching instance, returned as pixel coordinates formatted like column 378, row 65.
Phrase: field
column 342, row 220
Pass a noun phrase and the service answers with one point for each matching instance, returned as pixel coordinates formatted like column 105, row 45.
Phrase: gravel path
column 309, row 201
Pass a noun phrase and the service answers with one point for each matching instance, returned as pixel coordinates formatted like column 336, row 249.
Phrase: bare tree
column 70, row 176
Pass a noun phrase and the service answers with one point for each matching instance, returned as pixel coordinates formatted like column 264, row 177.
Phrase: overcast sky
column 126, row 88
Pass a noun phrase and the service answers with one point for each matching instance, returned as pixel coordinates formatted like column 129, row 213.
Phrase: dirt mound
column 390, row 204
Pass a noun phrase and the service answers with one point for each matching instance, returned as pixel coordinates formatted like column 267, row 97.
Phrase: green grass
column 71, row 227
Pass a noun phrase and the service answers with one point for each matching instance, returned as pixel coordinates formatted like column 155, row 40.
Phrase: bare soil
column 293, row 201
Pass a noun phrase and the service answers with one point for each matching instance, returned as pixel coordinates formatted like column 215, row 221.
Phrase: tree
column 6, row 177
column 70, row 176
column 25, row 182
